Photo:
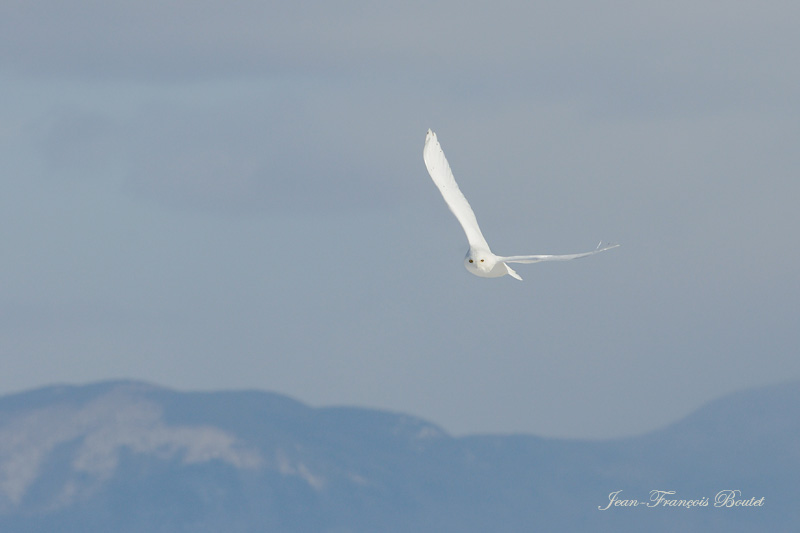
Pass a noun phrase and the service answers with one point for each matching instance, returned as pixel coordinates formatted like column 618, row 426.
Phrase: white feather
column 479, row 259
column 539, row 258
column 443, row 177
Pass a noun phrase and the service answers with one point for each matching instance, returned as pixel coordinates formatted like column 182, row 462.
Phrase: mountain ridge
column 104, row 455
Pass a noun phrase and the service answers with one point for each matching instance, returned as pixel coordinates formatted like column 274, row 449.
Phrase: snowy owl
column 479, row 259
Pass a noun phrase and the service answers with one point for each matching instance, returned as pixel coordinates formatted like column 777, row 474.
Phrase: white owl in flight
column 479, row 259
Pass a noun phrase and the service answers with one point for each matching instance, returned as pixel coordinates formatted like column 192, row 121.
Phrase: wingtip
column 607, row 246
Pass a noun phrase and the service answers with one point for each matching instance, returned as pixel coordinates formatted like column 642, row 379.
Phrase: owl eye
column 470, row 260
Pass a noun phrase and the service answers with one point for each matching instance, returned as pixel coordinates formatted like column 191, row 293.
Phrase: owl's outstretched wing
column 442, row 176
column 538, row 258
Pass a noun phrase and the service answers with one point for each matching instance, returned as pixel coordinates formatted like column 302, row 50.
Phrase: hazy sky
column 216, row 195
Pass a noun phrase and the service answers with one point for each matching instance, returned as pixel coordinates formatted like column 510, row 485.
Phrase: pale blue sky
column 220, row 195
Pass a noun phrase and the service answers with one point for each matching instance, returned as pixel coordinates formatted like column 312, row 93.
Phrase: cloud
column 573, row 47
column 274, row 148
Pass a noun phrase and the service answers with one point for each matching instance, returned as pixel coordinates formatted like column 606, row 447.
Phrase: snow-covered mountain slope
column 129, row 456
